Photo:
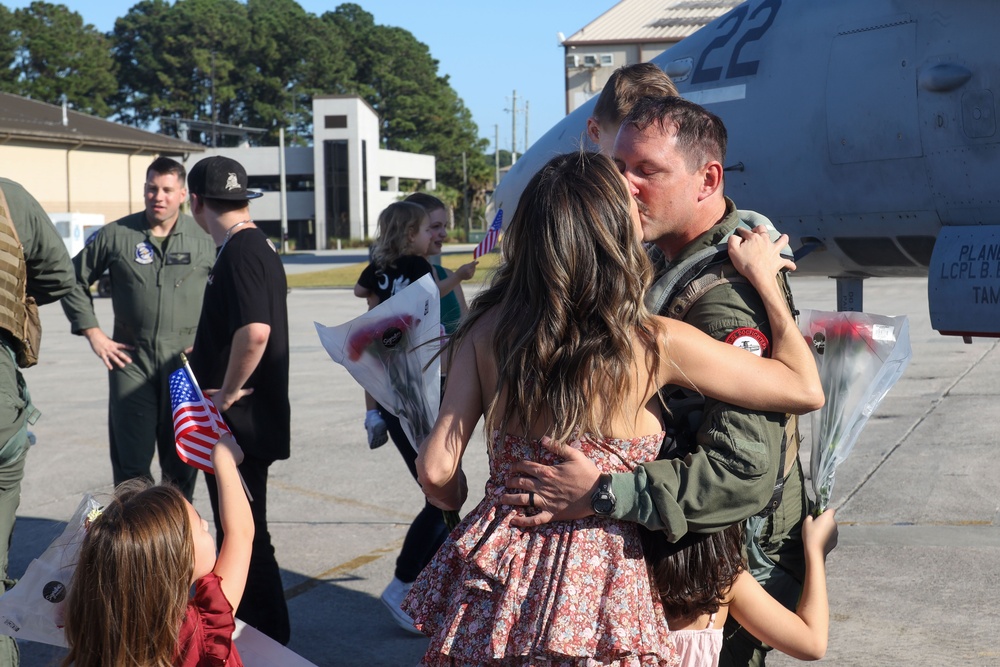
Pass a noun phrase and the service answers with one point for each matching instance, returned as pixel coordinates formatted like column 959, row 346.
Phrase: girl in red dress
column 130, row 604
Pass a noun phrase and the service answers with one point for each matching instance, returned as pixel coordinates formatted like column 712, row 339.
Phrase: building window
column 335, row 122
column 271, row 183
column 336, row 183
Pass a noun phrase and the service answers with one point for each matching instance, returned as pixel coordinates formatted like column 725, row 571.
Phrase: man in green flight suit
column 159, row 261
column 34, row 260
column 732, row 464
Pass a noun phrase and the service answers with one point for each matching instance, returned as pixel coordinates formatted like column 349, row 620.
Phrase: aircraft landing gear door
column 963, row 285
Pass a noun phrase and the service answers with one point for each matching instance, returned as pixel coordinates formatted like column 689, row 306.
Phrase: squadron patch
column 751, row 340
column 143, row 253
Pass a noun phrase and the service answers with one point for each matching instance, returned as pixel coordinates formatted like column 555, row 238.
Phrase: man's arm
column 47, row 264
column 249, row 343
column 88, row 265
column 729, row 477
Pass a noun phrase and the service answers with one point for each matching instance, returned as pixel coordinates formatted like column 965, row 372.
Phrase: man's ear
column 711, row 179
column 594, row 130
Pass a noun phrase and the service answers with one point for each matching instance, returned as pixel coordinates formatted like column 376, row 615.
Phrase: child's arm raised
column 233, row 562
column 455, row 278
column 804, row 634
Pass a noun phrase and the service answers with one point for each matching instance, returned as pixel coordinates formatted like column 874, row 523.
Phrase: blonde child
column 703, row 577
column 407, row 235
column 129, row 600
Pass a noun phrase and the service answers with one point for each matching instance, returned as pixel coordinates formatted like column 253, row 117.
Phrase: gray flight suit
column 49, row 277
column 157, row 286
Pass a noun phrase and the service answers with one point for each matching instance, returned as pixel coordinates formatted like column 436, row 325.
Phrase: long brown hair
column 568, row 301
column 130, row 590
column 693, row 575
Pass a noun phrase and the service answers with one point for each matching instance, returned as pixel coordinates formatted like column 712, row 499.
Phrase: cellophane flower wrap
column 860, row 356
column 391, row 351
column 34, row 608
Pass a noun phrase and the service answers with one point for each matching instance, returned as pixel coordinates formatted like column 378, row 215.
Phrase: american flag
column 492, row 236
column 197, row 422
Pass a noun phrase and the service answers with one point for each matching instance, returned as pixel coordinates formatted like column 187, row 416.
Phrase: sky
column 488, row 50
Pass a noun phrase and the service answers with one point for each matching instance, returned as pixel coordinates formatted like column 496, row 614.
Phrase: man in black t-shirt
column 240, row 358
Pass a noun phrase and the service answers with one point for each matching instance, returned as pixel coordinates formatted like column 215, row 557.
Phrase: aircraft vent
column 919, row 248
column 873, row 251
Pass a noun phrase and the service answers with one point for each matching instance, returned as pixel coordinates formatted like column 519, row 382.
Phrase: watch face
column 603, row 505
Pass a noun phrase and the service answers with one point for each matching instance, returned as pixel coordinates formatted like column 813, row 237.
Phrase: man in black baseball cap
column 240, row 358
column 219, row 177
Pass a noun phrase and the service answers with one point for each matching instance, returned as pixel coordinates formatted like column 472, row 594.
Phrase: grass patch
column 347, row 275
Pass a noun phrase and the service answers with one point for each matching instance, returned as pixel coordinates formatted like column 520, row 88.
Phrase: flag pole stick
column 204, row 404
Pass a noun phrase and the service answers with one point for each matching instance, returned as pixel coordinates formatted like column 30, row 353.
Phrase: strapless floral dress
column 566, row 593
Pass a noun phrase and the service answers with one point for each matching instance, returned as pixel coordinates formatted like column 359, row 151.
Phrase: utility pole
column 283, row 191
column 513, row 128
column 465, row 197
column 496, row 156
column 214, row 116
column 526, row 125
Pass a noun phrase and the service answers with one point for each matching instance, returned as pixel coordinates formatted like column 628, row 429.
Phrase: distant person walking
column 240, row 358
column 35, row 270
column 158, row 260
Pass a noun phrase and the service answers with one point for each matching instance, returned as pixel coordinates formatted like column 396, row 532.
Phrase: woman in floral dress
column 560, row 346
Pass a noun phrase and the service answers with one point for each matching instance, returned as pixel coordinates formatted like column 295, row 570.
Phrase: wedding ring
column 531, row 499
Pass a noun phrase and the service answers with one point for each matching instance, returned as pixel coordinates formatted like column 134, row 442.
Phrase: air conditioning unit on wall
column 599, row 60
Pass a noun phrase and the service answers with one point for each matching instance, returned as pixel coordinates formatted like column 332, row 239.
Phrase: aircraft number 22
column 736, row 67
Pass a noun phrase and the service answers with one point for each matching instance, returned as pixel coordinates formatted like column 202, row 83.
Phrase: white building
column 337, row 188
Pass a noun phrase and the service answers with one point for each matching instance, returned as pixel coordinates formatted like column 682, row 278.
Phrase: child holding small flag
column 129, row 600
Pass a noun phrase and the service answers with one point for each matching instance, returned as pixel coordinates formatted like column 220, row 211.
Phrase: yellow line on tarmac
column 343, row 568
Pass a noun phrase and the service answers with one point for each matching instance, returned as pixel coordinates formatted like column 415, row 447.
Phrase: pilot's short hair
column 701, row 135
column 164, row 165
column 626, row 86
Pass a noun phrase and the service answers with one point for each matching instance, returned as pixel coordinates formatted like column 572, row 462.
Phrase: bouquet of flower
column 33, row 609
column 860, row 357
column 391, row 352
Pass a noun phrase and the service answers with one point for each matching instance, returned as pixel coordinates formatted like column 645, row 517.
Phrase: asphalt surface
column 913, row 582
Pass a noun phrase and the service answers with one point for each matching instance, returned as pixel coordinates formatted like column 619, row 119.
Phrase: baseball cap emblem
column 232, row 183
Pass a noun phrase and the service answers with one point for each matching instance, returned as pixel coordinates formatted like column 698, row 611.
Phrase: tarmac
column 913, row 581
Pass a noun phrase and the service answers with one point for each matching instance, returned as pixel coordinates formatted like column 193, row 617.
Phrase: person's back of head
column 130, row 589
column 397, row 225
column 701, row 135
column 625, row 87
column 568, row 294
column 693, row 575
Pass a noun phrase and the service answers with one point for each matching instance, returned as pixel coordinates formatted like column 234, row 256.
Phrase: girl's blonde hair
column 130, row 590
column 568, row 297
column 397, row 223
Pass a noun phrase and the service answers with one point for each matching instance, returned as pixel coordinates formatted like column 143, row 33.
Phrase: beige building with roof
column 633, row 31
column 75, row 163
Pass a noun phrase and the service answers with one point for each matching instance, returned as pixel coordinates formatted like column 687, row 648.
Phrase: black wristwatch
column 603, row 501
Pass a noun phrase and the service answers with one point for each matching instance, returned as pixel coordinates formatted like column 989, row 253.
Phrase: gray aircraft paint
column 864, row 129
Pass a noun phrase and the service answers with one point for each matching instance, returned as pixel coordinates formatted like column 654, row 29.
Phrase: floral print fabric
column 566, row 593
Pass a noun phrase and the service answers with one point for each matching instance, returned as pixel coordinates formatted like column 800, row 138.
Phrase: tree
column 7, row 45
column 419, row 111
column 56, row 55
column 295, row 56
column 185, row 60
